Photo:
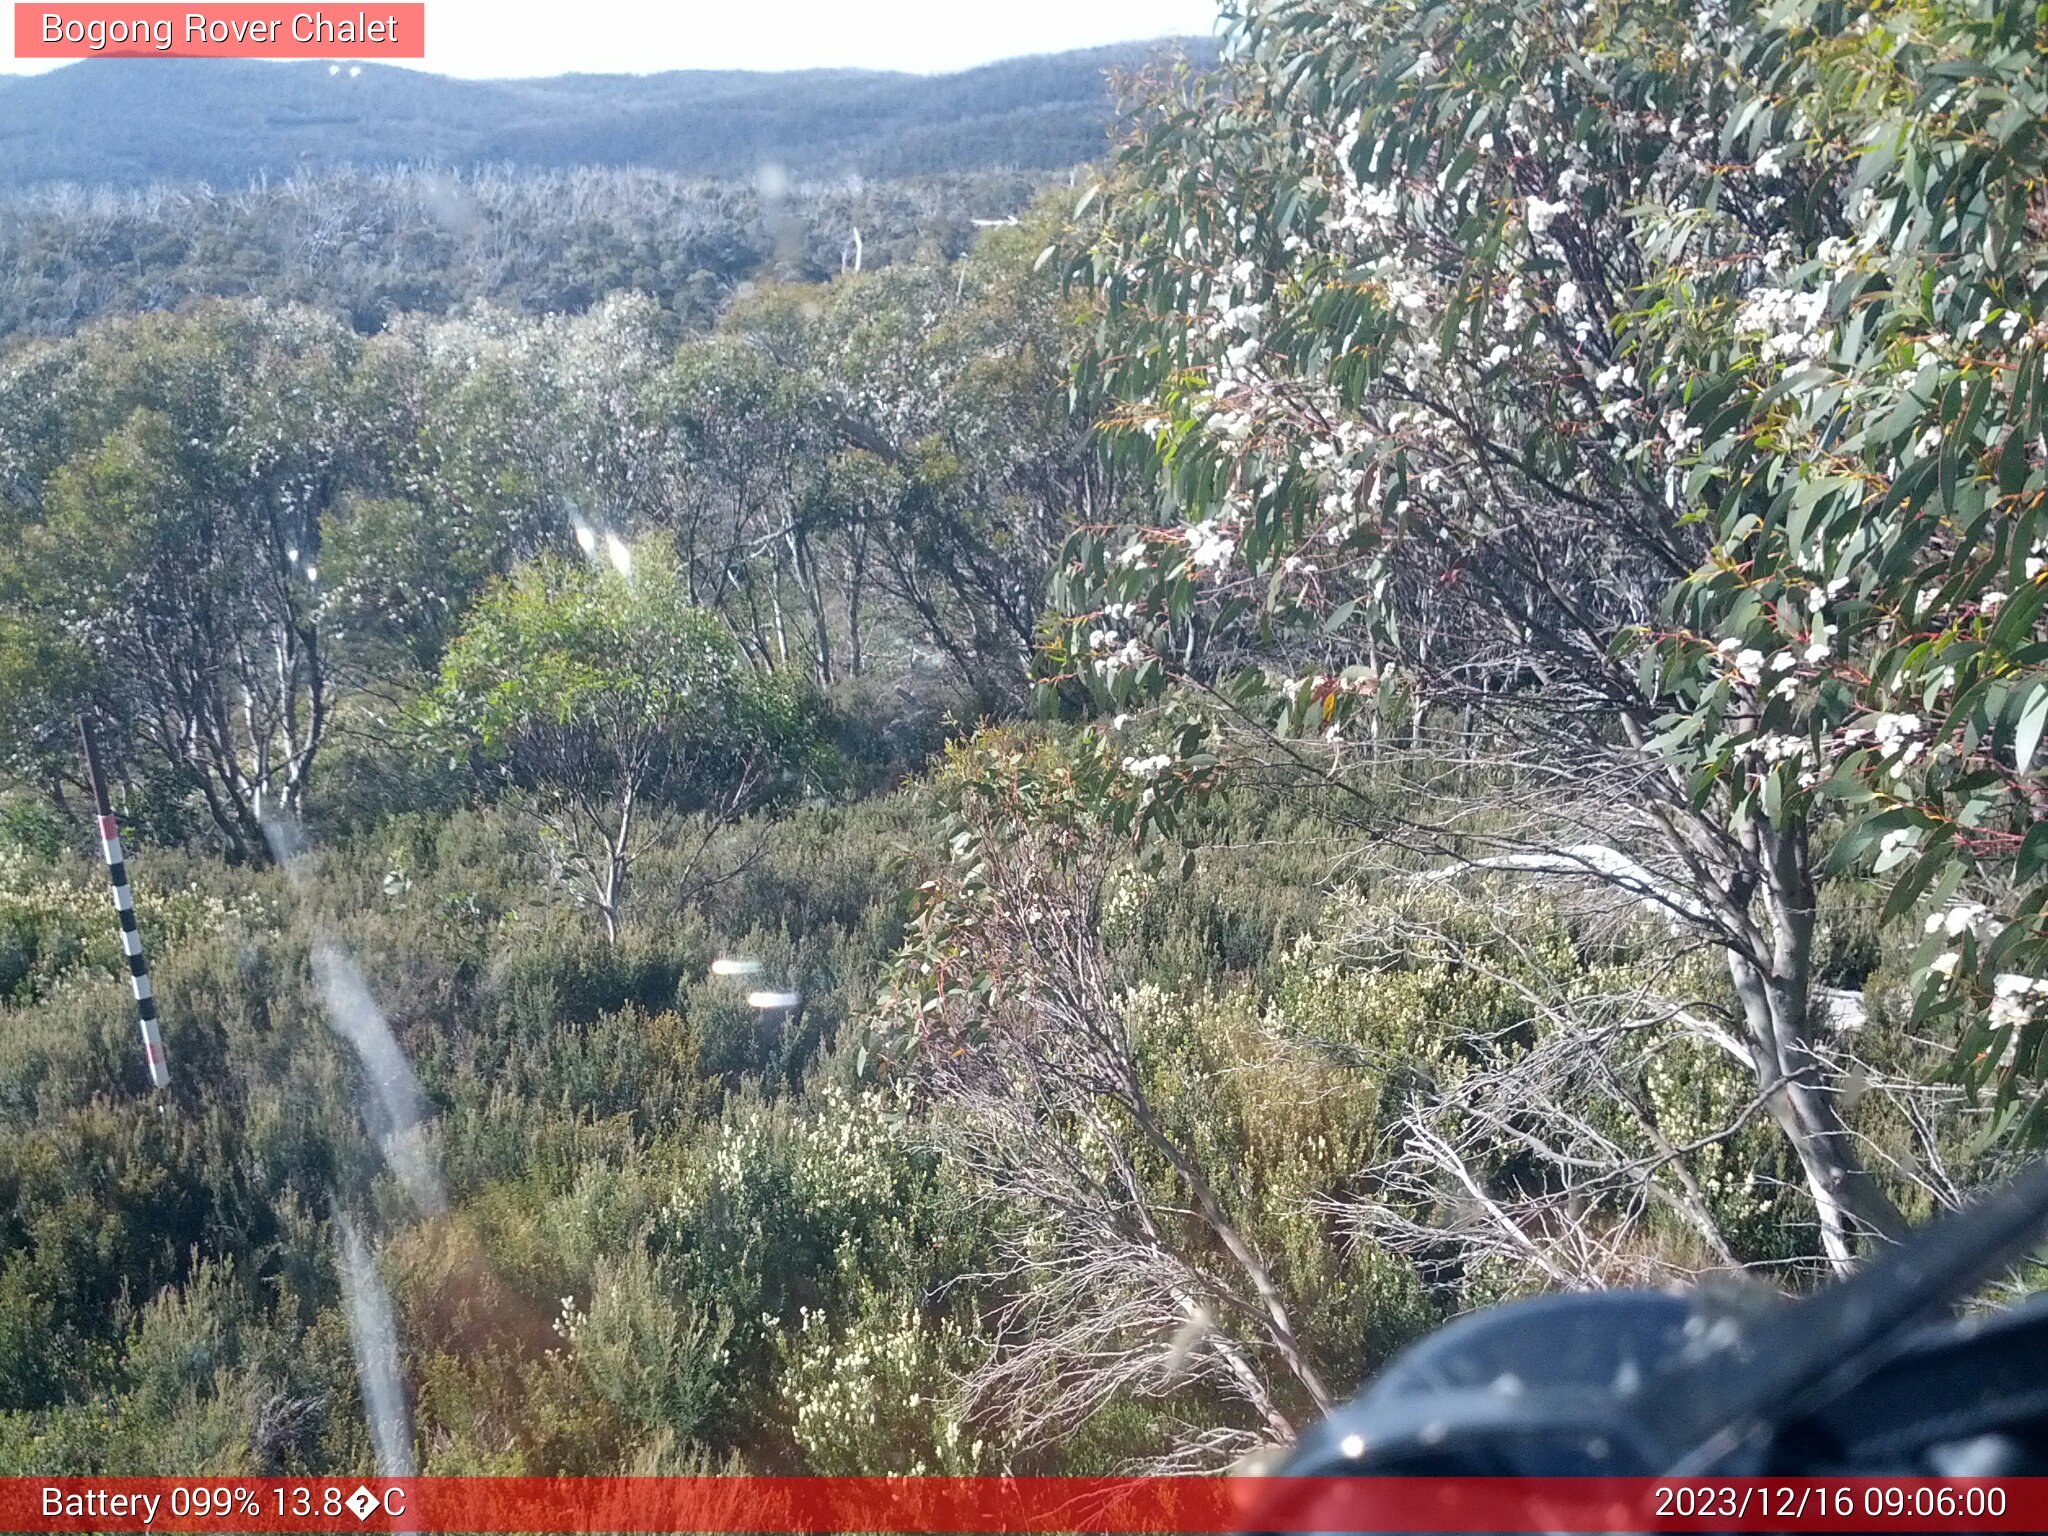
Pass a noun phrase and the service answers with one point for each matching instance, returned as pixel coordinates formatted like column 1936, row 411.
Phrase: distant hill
column 129, row 122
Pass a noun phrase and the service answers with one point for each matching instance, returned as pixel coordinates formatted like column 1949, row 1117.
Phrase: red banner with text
column 236, row 31
column 922, row 1506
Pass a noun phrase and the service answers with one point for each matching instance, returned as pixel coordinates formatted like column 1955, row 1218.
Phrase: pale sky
column 490, row 38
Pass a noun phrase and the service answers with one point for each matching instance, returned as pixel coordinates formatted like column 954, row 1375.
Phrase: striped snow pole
column 124, row 905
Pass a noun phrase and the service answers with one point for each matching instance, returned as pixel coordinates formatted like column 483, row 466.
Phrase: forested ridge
column 1027, row 851
column 134, row 122
column 134, row 185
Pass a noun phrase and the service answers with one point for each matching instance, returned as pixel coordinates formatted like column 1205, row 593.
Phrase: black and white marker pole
column 124, row 906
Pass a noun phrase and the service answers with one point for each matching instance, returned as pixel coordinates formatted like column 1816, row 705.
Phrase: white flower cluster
column 1406, row 291
column 1773, row 748
column 1229, row 422
column 1358, row 213
column 1348, row 483
column 2013, row 1000
column 1680, row 437
column 1746, row 662
column 1539, row 215
column 2006, row 322
column 1897, row 735
column 844, row 1158
column 1896, row 846
column 877, row 1399
column 1211, row 543
column 1964, row 917
column 1616, row 385
column 1789, row 320
column 1819, row 639
column 1115, row 651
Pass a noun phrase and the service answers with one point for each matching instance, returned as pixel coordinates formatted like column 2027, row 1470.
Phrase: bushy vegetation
column 371, row 245
column 597, row 859
column 679, row 1228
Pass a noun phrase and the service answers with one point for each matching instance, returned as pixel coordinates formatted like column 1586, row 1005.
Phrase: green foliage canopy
column 164, row 487
column 1677, row 367
column 566, row 668
column 601, row 690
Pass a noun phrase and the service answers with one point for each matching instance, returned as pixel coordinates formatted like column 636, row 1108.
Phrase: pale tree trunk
column 856, row 575
column 611, row 886
column 810, row 582
column 1774, row 983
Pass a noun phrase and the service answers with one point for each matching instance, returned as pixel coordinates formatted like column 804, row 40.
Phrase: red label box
column 234, row 31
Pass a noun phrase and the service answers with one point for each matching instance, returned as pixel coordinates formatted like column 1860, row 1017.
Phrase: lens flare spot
column 620, row 553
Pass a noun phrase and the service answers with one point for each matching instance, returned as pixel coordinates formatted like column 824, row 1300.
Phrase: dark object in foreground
column 1874, row 1376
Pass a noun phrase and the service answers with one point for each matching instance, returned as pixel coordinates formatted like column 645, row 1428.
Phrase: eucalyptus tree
column 166, row 481
column 492, row 438
column 996, row 456
column 882, row 466
column 602, row 695
column 751, row 430
column 456, row 487
column 1855, row 390
column 1539, row 367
